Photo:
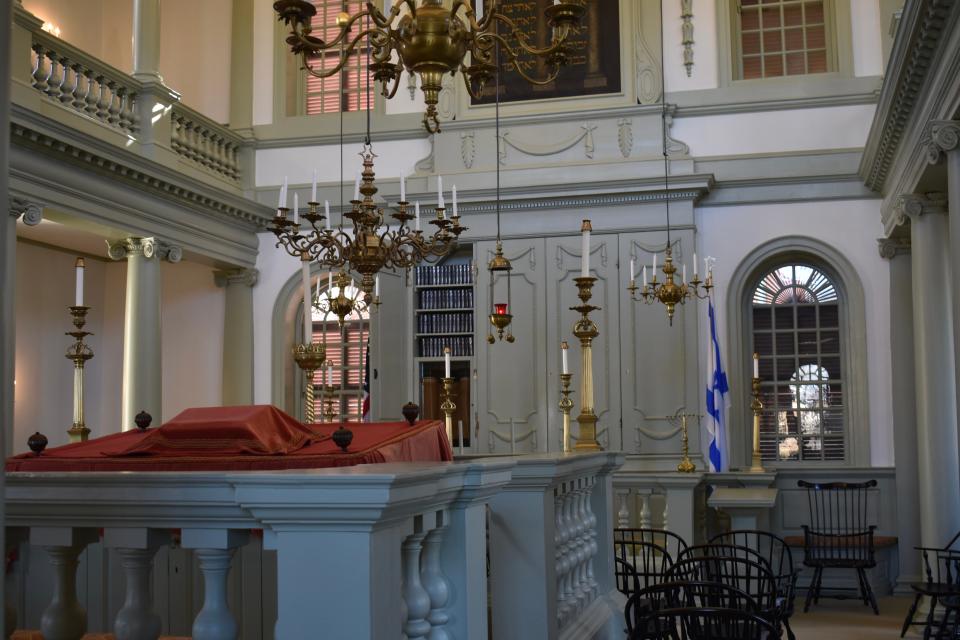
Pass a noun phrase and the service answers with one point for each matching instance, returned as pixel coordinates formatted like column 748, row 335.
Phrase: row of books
column 445, row 299
column 445, row 274
column 445, row 322
column 433, row 347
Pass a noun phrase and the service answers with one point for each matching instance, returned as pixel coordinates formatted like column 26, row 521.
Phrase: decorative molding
column 940, row 137
column 914, row 205
column 468, row 148
column 625, row 136
column 427, row 164
column 447, row 100
column 31, row 211
column 674, row 146
column 649, row 79
column 229, row 277
column 533, row 149
column 686, row 14
column 146, row 247
column 890, row 248
column 911, row 59
column 567, row 202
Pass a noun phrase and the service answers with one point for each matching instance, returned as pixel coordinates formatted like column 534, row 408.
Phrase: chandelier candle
column 585, row 230
column 326, row 213
column 455, row 213
column 80, row 265
column 756, row 405
column 633, row 267
column 565, row 365
column 440, row 192
column 403, row 188
column 416, row 209
column 313, row 188
column 356, row 186
column 296, row 208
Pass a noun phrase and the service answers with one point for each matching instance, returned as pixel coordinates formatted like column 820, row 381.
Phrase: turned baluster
column 214, row 549
column 133, row 115
column 69, row 83
column 40, row 70
column 176, row 133
column 55, row 79
column 113, row 107
column 122, row 110
column 64, row 618
column 416, row 626
column 435, row 582
column 592, row 546
column 90, row 98
column 645, row 513
column 102, row 99
column 189, row 145
column 559, row 549
column 80, row 87
column 623, row 514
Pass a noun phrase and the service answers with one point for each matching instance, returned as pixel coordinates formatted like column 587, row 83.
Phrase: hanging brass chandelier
column 344, row 299
column 430, row 40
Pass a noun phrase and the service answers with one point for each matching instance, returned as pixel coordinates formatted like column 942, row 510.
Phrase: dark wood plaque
column 594, row 66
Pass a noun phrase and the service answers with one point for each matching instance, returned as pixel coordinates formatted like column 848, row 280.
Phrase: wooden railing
column 203, row 141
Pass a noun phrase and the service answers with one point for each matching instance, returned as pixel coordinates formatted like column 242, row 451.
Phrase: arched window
column 796, row 330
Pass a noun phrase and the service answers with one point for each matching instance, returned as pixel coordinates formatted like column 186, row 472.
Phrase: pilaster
column 237, row 334
column 936, row 408
column 142, row 362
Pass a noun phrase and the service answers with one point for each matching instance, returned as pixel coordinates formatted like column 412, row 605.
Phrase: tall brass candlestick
column 448, row 406
column 310, row 358
column 566, row 404
column 586, row 330
column 757, row 406
column 79, row 352
column 686, row 464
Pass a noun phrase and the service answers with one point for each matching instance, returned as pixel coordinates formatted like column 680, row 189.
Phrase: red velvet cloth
column 224, row 431
column 426, row 441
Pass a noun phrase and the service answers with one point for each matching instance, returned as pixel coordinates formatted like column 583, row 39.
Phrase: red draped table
column 221, row 439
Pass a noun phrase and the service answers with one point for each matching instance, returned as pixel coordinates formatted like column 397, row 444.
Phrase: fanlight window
column 796, row 332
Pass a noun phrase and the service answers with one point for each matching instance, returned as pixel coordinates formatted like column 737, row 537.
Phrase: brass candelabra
column 756, row 405
column 566, row 404
column 79, row 352
column 670, row 292
column 586, row 330
column 431, row 41
column 686, row 464
column 310, row 358
column 448, row 407
column 329, row 413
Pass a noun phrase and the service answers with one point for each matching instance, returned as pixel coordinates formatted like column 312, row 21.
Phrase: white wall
column 276, row 267
column 851, row 227
column 703, row 74
column 102, row 28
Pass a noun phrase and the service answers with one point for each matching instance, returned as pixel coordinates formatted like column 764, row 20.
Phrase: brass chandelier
column 430, row 40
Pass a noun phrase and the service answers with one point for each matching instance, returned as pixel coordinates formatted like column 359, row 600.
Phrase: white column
column 416, row 626
column 64, row 618
column 943, row 139
column 938, row 457
column 142, row 371
column 434, row 582
column 237, row 334
column 214, row 549
column 136, row 620
column 146, row 40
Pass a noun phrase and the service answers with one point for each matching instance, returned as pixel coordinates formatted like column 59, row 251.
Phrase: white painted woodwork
column 435, row 582
column 215, row 621
column 416, row 598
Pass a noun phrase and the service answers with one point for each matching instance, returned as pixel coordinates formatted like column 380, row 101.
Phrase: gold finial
column 343, row 18
column 586, row 226
column 80, row 264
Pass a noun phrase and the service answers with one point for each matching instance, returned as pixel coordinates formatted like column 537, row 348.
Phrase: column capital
column 228, row 277
column 31, row 211
column 914, row 205
column 890, row 248
column 146, row 247
column 940, row 137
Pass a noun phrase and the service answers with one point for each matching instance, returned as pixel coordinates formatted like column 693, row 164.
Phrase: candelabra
column 669, row 292
column 329, row 413
column 448, row 407
column 79, row 352
column 756, row 405
column 309, row 357
column 430, row 40
column 372, row 245
column 343, row 303
column 566, row 404
column 686, row 464
column 586, row 330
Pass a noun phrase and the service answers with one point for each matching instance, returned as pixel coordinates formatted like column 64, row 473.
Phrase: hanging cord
column 367, row 73
column 663, row 124
column 342, row 108
column 497, row 118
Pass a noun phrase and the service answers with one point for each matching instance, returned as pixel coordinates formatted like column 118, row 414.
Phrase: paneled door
column 563, row 265
column 512, row 414
column 658, row 361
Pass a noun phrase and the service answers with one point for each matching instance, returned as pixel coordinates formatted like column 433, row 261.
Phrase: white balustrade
column 434, row 581
column 136, row 548
column 659, row 500
column 64, row 618
column 204, row 142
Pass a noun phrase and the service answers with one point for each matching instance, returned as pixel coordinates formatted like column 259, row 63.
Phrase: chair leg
column 861, row 581
column 816, row 594
column 909, row 619
column 866, row 584
column 811, row 588
column 790, row 634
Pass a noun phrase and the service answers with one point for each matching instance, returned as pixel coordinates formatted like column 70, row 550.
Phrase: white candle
column 706, row 265
column 307, row 319
column 78, row 298
column 330, row 284
column 416, row 211
column 329, row 375
column 283, row 194
column 313, row 188
column 296, row 208
column 446, row 361
column 694, row 265
column 376, row 286
column 585, row 249
column 644, row 276
column 455, row 200
column 563, row 352
column 756, row 365
column 632, row 269
column 654, row 266
column 356, row 185
column 684, row 273
column 556, row 1
column 403, row 189
column 440, row 191
column 326, row 212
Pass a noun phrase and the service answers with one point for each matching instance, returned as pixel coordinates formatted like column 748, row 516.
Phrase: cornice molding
column 918, row 37
column 940, row 137
column 146, row 247
column 890, row 248
column 31, row 211
column 230, row 277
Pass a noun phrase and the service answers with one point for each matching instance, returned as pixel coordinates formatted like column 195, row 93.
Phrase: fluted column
column 142, row 372
column 237, row 334
column 938, row 458
column 146, row 40
column 943, row 141
column 897, row 253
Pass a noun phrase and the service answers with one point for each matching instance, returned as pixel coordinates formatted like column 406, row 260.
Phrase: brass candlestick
column 586, row 330
column 448, row 406
column 756, row 405
column 329, row 413
column 79, row 352
column 566, row 404
column 309, row 357
column 686, row 464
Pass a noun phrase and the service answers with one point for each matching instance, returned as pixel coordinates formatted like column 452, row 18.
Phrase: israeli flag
column 718, row 401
